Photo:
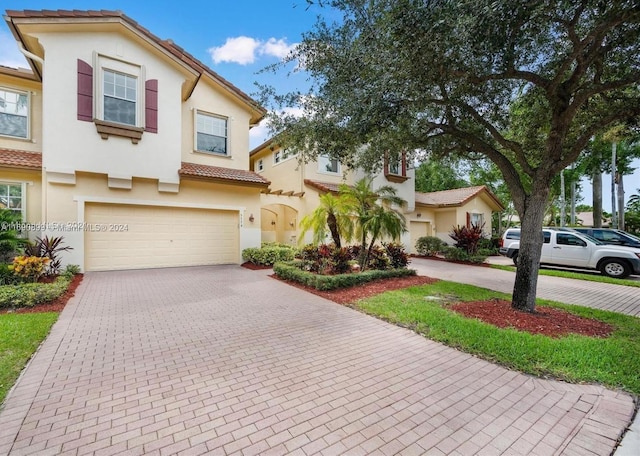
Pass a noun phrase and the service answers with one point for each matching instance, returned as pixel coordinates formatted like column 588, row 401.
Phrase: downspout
column 30, row 55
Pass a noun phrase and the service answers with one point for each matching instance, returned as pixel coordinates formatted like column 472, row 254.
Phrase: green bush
column 31, row 294
column 429, row 245
column 458, row 254
column 487, row 252
column 7, row 277
column 291, row 271
column 269, row 254
column 71, row 270
column 397, row 255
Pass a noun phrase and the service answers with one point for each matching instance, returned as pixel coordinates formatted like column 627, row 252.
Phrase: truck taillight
column 501, row 243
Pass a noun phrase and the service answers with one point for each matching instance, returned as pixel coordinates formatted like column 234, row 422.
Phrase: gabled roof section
column 323, row 186
column 222, row 175
column 11, row 158
column 16, row 19
column 456, row 197
column 22, row 73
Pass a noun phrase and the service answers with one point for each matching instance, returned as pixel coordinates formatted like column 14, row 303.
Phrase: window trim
column 259, row 166
column 23, row 196
column 284, row 153
column 104, row 62
column 322, row 170
column 28, row 94
column 195, row 133
column 399, row 177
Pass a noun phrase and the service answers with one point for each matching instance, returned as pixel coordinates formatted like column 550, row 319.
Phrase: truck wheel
column 514, row 258
column 618, row 269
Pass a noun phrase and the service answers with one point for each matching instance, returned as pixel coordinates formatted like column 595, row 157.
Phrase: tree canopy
column 525, row 84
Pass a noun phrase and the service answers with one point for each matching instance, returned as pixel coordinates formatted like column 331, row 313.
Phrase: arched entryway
column 279, row 223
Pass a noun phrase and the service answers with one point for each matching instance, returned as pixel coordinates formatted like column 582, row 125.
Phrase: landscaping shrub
column 467, row 238
column 429, row 245
column 398, row 257
column 269, row 254
column 292, row 271
column 325, row 259
column 71, row 270
column 7, row 277
column 458, row 254
column 31, row 294
column 48, row 247
column 29, row 268
column 378, row 258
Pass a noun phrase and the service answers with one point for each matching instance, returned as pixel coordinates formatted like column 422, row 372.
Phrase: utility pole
column 613, row 185
column 562, row 199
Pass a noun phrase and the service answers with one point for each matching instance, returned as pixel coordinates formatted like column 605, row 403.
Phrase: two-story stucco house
column 296, row 188
column 133, row 150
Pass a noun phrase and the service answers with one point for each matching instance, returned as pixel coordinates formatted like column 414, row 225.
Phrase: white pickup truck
column 564, row 247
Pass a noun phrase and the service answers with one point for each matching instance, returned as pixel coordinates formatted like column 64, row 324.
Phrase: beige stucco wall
column 34, row 142
column 155, row 156
column 211, row 100
column 66, row 204
column 476, row 206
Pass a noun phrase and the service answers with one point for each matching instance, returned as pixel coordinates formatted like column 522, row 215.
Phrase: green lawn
column 20, row 336
column 590, row 276
column 614, row 361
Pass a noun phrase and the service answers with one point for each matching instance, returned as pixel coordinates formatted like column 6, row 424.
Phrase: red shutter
column 386, row 164
column 468, row 220
column 85, row 91
column 151, row 105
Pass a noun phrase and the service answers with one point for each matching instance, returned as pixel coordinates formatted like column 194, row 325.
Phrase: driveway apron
column 223, row 360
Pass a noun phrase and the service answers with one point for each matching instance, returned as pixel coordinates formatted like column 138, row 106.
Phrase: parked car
column 566, row 247
column 612, row 236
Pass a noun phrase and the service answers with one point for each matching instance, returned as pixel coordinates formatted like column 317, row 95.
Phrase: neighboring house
column 126, row 145
column 586, row 219
column 296, row 188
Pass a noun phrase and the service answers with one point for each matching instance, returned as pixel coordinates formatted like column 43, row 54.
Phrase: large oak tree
column 524, row 83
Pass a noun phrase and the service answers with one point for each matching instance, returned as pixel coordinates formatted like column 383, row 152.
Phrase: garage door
column 137, row 237
column 418, row 230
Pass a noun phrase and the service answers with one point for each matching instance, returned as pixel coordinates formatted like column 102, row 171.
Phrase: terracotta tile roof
column 12, row 158
column 323, row 186
column 217, row 173
column 168, row 45
column 455, row 197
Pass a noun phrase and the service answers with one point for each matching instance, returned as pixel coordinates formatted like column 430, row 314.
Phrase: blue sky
column 236, row 39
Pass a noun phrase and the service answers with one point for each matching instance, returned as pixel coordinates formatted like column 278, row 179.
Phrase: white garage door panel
column 159, row 237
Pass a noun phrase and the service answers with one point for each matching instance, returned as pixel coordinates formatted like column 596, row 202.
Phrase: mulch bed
column 255, row 267
column 52, row 306
column 547, row 321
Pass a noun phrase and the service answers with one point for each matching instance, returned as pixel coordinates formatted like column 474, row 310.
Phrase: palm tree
column 10, row 240
column 332, row 213
column 374, row 213
column 633, row 205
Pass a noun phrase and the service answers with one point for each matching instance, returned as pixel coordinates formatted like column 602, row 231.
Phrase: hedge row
column 31, row 294
column 290, row 271
column 268, row 254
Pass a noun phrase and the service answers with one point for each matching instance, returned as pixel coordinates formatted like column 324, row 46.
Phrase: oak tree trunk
column 526, row 282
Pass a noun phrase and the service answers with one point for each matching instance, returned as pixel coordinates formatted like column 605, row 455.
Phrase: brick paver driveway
column 222, row 360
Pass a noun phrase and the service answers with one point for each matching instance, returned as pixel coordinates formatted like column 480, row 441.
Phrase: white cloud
column 243, row 49
column 277, row 48
column 10, row 56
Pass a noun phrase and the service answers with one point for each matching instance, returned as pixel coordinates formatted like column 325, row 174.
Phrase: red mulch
column 548, row 321
column 52, row 306
column 439, row 258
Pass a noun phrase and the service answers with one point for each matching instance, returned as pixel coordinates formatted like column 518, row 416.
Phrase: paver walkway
column 222, row 360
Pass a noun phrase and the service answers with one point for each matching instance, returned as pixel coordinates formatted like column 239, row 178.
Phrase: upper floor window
column 476, row 219
column 259, row 166
column 211, row 134
column 281, row 155
column 328, row 165
column 14, row 113
column 120, row 92
column 11, row 197
column 120, row 97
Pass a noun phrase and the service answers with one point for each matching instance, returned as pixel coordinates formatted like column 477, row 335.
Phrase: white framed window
column 476, row 219
column 328, row 165
column 394, row 167
column 14, row 113
column 211, row 133
column 119, row 91
column 12, row 197
column 259, row 166
column 282, row 155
